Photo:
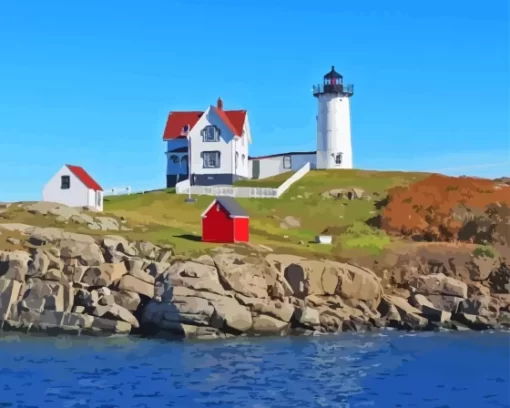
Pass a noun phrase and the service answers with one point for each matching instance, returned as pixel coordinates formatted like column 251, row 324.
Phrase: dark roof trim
column 232, row 206
column 179, row 150
column 280, row 154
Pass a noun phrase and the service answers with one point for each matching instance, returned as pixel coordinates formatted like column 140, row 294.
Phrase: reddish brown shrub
column 442, row 208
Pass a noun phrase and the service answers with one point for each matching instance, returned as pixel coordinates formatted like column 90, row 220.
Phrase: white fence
column 183, row 187
column 291, row 180
column 117, row 191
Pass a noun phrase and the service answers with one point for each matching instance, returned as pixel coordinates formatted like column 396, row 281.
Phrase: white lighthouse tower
column 334, row 149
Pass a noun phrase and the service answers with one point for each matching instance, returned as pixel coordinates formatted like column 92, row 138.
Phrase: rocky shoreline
column 102, row 286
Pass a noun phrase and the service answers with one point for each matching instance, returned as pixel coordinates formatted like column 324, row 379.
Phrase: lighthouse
column 334, row 148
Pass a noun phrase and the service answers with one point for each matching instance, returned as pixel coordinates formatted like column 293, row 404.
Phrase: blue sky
column 91, row 83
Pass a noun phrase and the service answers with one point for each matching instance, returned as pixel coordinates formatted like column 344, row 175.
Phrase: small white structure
column 74, row 187
column 268, row 166
column 334, row 148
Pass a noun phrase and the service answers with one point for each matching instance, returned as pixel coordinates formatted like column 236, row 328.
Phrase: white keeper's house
column 213, row 145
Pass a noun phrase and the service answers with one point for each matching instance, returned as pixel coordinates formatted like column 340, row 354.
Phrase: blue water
column 446, row 370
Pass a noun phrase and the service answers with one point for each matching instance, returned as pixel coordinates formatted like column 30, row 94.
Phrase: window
column 338, row 158
column 211, row 134
column 174, row 158
column 65, row 182
column 217, row 207
column 98, row 199
column 237, row 160
column 211, row 159
column 243, row 158
column 287, row 164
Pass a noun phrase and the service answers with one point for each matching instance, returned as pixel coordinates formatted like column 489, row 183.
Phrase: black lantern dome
column 333, row 84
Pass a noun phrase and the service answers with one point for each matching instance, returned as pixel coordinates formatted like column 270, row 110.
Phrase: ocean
column 386, row 369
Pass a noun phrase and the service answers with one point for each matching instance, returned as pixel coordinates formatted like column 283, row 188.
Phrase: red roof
column 84, row 177
column 233, row 119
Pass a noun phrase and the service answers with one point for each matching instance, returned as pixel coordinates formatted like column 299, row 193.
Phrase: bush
column 360, row 236
column 441, row 208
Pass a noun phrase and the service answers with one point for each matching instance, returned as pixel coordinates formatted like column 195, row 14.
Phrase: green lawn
column 168, row 216
column 270, row 182
column 164, row 217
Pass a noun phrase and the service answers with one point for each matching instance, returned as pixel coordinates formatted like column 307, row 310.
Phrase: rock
column 240, row 276
column 39, row 265
column 81, row 219
column 447, row 303
column 327, row 278
column 56, row 276
column 85, row 253
column 128, row 300
column 228, row 313
column 143, row 276
column 474, row 322
column 107, row 223
column 183, row 309
column 107, row 300
column 114, row 243
column 280, row 310
column 480, row 306
column 104, row 275
column 481, row 267
column 440, row 284
column 148, row 250
column 111, row 326
column 267, row 325
column 308, row 317
column 41, row 295
column 290, row 222
column 411, row 317
column 9, row 292
column 418, row 301
column 131, row 284
column 14, row 265
column 116, row 312
column 499, row 280
column 13, row 241
column 435, row 315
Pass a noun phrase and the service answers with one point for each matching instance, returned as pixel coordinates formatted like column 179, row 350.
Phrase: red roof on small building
column 84, row 177
column 233, row 119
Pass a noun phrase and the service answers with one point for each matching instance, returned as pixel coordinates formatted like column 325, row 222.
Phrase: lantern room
column 333, row 84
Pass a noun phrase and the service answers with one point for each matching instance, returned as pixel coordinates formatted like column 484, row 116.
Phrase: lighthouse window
column 338, row 158
column 287, row 164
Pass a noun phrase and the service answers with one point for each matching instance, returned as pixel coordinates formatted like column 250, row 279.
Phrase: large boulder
column 191, row 275
column 131, row 284
column 440, row 284
column 241, row 276
column 9, row 291
column 309, row 277
column 104, row 274
column 81, row 253
column 14, row 265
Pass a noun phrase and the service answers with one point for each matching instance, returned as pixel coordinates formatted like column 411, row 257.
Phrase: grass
column 164, row 217
column 168, row 218
column 270, row 182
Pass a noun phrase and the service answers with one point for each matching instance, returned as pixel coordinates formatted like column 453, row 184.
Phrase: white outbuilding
column 73, row 186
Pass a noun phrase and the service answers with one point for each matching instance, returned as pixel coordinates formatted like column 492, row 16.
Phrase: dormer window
column 338, row 158
column 211, row 134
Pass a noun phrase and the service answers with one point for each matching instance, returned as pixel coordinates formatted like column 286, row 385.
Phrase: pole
column 189, row 165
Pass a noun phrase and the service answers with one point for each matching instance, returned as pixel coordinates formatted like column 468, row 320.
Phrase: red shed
column 225, row 221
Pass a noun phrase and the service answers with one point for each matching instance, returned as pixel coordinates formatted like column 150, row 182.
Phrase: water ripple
column 354, row 370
